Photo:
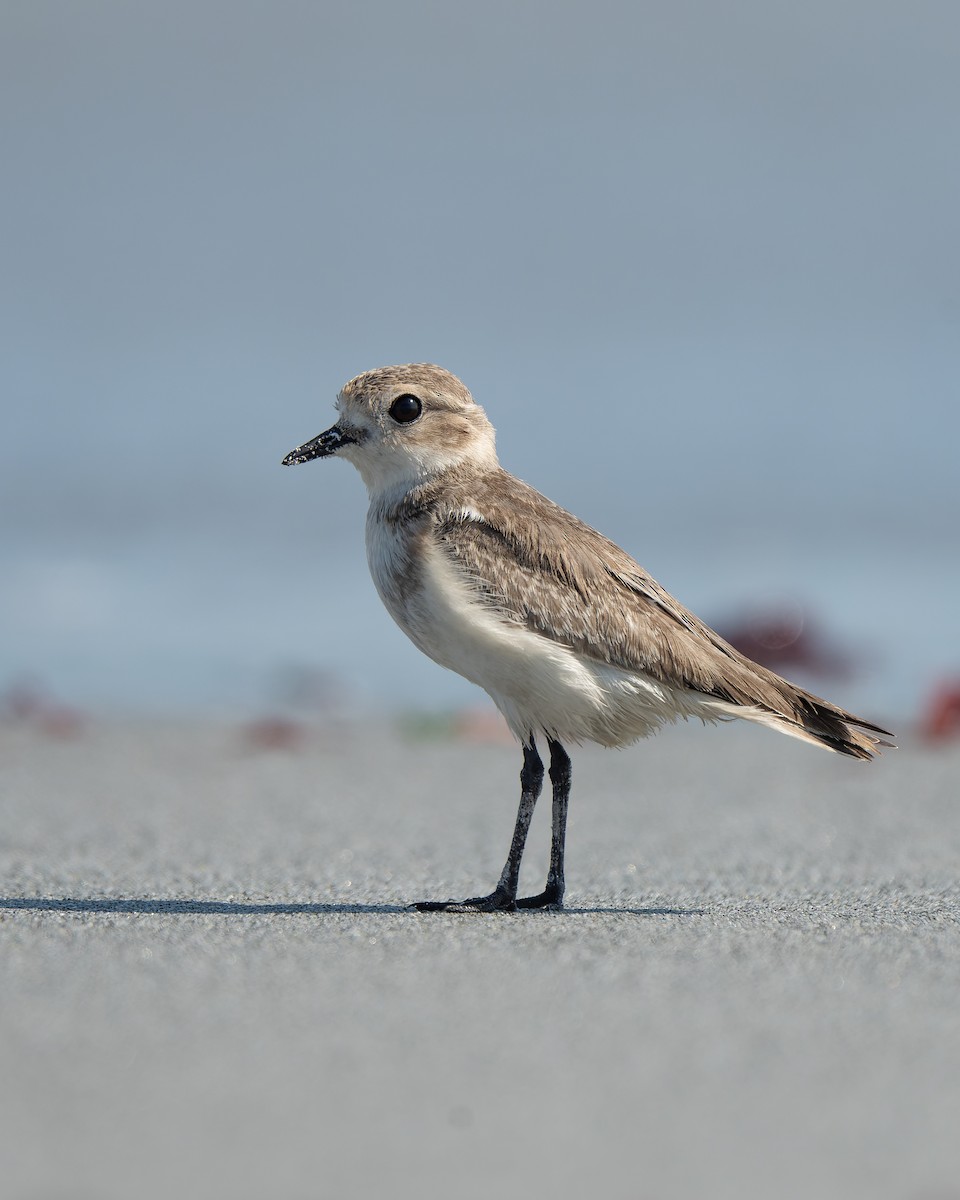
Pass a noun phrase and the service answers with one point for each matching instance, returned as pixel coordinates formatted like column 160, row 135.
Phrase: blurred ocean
column 698, row 262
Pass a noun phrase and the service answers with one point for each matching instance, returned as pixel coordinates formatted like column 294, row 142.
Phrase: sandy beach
column 211, row 987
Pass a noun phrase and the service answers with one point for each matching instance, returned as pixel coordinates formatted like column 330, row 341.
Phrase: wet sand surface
column 210, row 986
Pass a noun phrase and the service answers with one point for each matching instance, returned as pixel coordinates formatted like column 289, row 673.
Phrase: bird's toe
column 497, row 901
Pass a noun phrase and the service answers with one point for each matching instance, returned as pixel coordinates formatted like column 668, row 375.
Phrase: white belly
column 537, row 683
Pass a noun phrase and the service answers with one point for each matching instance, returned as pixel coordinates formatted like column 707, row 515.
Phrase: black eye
column 405, row 409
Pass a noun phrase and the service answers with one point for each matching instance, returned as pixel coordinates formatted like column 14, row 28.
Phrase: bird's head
column 401, row 426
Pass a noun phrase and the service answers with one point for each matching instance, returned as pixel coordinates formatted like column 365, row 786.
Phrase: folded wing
column 568, row 583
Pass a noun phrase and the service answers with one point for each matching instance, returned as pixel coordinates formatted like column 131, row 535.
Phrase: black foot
column 551, row 897
column 497, row 901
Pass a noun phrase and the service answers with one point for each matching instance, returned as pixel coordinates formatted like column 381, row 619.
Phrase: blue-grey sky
column 700, row 262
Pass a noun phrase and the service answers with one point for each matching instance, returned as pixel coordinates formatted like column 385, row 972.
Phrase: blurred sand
column 209, row 988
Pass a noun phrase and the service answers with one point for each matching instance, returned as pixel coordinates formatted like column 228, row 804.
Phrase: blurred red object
column 482, row 726
column 274, row 733
column 26, row 702
column 61, row 722
column 784, row 638
column 23, row 700
column 941, row 720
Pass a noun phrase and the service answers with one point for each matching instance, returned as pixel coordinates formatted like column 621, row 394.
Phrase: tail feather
column 824, row 724
column 759, row 694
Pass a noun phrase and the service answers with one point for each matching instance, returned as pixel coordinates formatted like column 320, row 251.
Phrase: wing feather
column 541, row 567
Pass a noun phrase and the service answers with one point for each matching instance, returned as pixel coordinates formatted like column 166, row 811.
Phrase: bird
column 569, row 636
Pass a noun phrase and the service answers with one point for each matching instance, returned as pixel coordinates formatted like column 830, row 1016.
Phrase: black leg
column 503, row 898
column 560, row 777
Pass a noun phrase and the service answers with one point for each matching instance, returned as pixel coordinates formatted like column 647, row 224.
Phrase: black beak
column 323, row 445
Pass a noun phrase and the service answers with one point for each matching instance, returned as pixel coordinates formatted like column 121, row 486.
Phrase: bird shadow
column 175, row 907
column 181, row 907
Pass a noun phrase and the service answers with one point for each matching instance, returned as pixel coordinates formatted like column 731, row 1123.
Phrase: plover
column 572, row 639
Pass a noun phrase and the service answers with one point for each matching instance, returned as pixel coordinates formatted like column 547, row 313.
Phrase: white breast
column 537, row 683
